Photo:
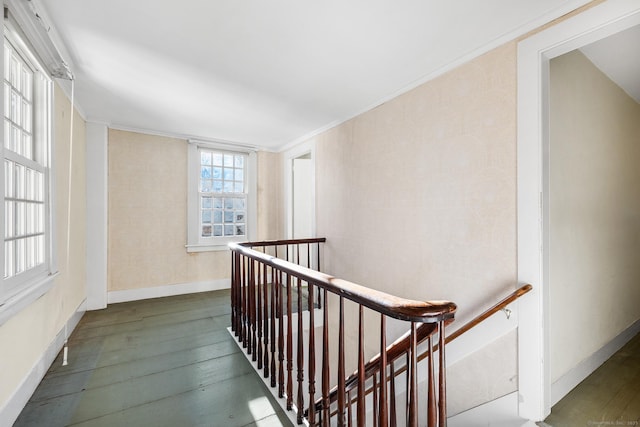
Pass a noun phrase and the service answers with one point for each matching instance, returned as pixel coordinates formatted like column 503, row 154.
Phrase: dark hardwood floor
column 608, row 397
column 160, row 362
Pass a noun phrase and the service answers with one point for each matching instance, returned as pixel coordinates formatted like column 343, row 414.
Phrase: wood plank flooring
column 608, row 397
column 160, row 362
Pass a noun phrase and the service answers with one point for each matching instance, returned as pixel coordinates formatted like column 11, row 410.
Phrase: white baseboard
column 167, row 291
column 14, row 405
column 575, row 376
column 502, row 412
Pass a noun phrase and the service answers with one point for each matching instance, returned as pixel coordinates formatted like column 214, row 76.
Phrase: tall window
column 27, row 100
column 220, row 197
column 223, row 197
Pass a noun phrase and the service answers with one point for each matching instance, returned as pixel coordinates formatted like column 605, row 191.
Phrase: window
column 26, row 163
column 221, row 200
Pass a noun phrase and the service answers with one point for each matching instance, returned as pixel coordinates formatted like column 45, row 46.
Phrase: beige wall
column 270, row 197
column 595, row 211
column 148, row 216
column 148, row 213
column 417, row 197
column 27, row 335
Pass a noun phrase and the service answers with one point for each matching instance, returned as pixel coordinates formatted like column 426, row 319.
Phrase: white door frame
column 534, row 54
column 308, row 147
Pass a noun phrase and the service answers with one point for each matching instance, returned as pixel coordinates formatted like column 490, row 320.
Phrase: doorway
column 534, row 55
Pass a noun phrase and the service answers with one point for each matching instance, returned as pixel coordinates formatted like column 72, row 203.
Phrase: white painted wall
column 594, row 211
column 302, row 183
column 97, row 198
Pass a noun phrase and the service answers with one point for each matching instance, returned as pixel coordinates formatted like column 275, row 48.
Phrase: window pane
column 239, row 175
column 228, row 174
column 206, row 231
column 239, row 161
column 207, row 202
column 239, row 216
column 206, row 216
column 206, row 172
column 217, row 186
column 228, row 161
column 9, row 262
column 238, row 203
column 240, row 230
column 9, row 227
column 217, row 202
column 217, row 159
column 8, row 178
column 217, row 217
column 205, row 157
column 217, row 230
column 206, row 185
column 238, row 187
column 228, row 230
column 228, row 216
column 217, row 173
column 228, row 186
column 229, row 203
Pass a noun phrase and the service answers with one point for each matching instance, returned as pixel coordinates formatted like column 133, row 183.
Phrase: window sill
column 207, row 248
column 27, row 296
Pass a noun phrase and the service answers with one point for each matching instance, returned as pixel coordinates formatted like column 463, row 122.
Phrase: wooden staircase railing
column 274, row 305
column 400, row 347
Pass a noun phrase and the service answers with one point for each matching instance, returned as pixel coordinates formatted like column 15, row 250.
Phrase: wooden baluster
column 300, row 352
column 349, row 413
column 245, row 305
column 318, row 269
column 273, row 326
column 413, row 379
column 326, row 402
column 254, row 317
column 280, row 333
column 265, row 315
column 341, row 374
column 431, row 391
column 312, row 357
column 298, row 254
column 375, row 400
column 233, row 288
column 361, row 410
column 383, row 371
column 392, row 392
column 407, row 384
column 258, row 353
column 442, row 396
column 309, row 256
column 289, row 347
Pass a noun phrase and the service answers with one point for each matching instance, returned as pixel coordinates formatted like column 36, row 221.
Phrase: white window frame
column 195, row 242
column 19, row 291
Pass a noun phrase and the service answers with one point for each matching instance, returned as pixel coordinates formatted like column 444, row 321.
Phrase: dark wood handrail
column 401, row 345
column 390, row 305
column 267, row 290
column 282, row 242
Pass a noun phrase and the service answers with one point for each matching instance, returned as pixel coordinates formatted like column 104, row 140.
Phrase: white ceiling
column 618, row 56
column 268, row 73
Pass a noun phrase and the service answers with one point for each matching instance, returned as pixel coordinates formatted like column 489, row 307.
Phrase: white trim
column 534, row 54
column 114, row 297
column 501, row 412
column 97, row 172
column 307, row 147
column 26, row 296
column 568, row 381
column 21, row 395
column 223, row 145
